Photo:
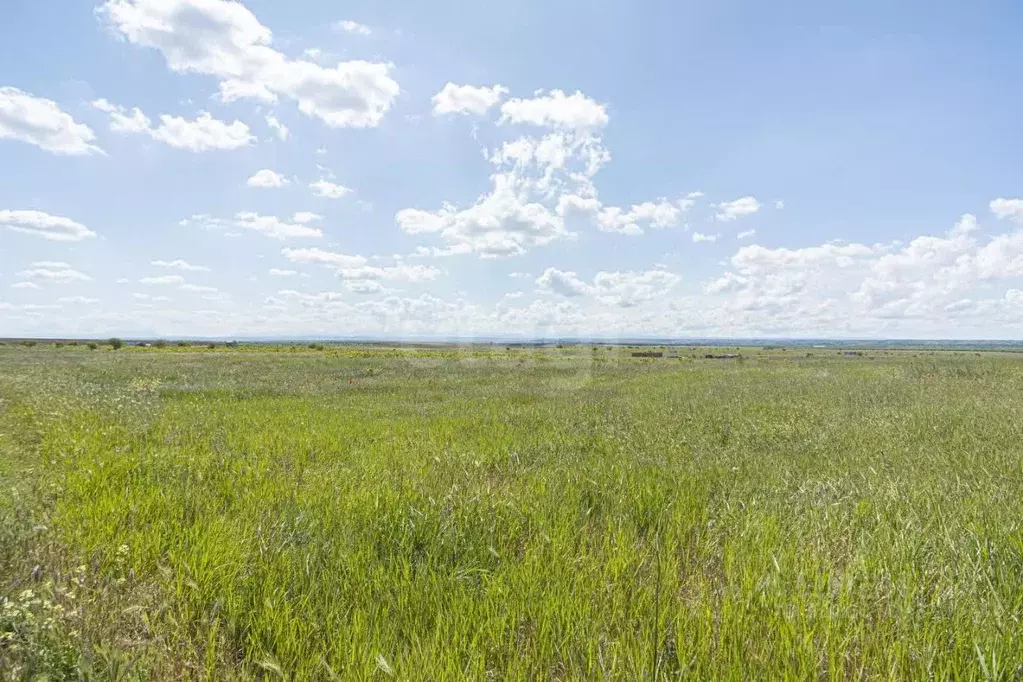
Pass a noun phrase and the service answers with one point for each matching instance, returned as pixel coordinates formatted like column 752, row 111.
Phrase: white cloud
column 179, row 265
column 276, row 272
column 39, row 224
column 561, row 282
column 274, row 124
column 349, row 267
column 25, row 285
column 557, row 110
column 399, row 271
column 152, row 299
column 50, row 264
column 121, row 120
column 303, row 217
column 1011, row 209
column 349, row 26
column 743, row 206
column 248, row 220
column 163, row 279
column 689, row 200
column 51, row 271
column 701, row 237
column 363, row 286
column 225, row 40
column 840, row 288
column 628, row 289
column 40, row 122
column 727, row 282
column 267, row 179
column 197, row 288
column 329, row 190
column 201, row 134
column 83, row 300
column 659, row 214
column 621, row 289
column 540, row 183
column 467, row 99
column 779, row 204
column 320, row 257
column 501, row 223
column 745, row 234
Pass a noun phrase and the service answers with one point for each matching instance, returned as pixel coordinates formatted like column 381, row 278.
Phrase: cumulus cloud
column 303, row 217
column 502, row 222
column 731, row 210
column 39, row 224
column 542, row 186
column 274, row 124
column 225, row 40
column 51, row 271
column 267, row 179
column 727, row 282
column 248, row 220
column 701, row 237
column 277, row 272
column 81, row 300
column 1008, row 209
column 556, row 110
column 870, row 287
column 41, row 122
column 561, row 282
column 349, row 26
column 329, row 190
column 197, row 288
column 659, row 214
column 745, row 234
column 348, row 267
column 320, row 257
column 200, row 134
column 467, row 99
column 25, row 285
column 179, row 264
column 622, row 289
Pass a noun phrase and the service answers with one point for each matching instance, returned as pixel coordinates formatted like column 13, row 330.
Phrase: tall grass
column 561, row 514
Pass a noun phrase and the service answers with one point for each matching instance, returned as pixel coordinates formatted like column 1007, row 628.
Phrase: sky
column 456, row 169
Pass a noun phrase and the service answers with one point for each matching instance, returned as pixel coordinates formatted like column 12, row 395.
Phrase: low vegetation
column 443, row 513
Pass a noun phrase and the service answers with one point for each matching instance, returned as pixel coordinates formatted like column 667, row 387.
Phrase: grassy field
column 491, row 514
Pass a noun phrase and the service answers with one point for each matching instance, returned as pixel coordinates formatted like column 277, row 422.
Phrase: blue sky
column 206, row 167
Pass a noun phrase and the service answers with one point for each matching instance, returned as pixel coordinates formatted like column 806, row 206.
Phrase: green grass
column 568, row 514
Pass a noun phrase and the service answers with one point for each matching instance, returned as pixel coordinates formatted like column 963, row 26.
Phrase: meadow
column 493, row 513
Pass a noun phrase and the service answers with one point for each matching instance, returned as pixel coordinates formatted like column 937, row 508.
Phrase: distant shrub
column 211, row 346
column 232, row 344
column 58, row 344
column 73, row 343
column 115, row 343
column 93, row 345
column 184, row 344
column 159, row 343
column 28, row 344
column 316, row 346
